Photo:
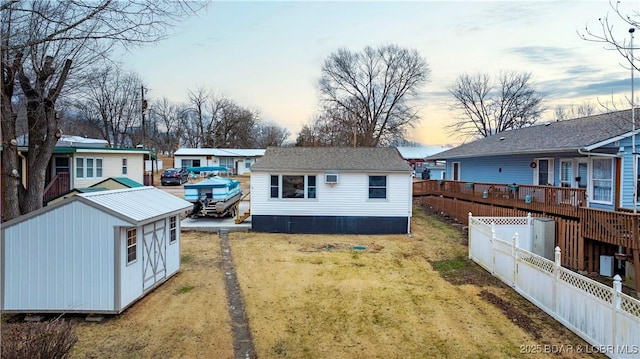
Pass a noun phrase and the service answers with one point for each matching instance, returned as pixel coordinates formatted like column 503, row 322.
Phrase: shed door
column 154, row 253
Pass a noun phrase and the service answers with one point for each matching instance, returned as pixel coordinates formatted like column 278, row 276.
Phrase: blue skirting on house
column 329, row 224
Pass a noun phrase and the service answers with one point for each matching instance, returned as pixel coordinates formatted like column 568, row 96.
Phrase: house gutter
column 589, row 153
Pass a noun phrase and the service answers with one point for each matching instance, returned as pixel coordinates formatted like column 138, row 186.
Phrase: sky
column 267, row 55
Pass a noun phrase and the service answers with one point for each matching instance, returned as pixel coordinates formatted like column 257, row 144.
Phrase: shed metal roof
column 135, row 205
column 139, row 204
column 585, row 133
column 385, row 159
column 220, row 152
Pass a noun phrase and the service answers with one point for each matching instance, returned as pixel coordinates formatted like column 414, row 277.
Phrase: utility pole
column 143, row 107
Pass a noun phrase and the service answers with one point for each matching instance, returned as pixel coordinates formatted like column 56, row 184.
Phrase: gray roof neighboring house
column 383, row 159
column 585, row 134
column 419, row 152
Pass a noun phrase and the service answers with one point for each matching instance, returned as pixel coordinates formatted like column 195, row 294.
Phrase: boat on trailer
column 215, row 196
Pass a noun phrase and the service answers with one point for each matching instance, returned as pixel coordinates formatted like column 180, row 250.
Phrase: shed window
column 132, row 245
column 377, row 186
column 173, row 229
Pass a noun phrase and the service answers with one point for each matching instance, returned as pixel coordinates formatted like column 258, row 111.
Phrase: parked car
column 175, row 176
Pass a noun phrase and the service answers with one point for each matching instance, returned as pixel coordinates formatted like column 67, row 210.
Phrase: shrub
column 52, row 339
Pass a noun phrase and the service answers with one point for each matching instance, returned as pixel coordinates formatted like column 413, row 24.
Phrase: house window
column 132, row 245
column 190, row 163
column 311, row 186
column 247, row 163
column 88, row 167
column 377, row 186
column 543, row 172
column 602, row 179
column 173, row 229
column 293, row 186
column 124, row 166
column 227, row 162
column 275, row 185
column 80, row 167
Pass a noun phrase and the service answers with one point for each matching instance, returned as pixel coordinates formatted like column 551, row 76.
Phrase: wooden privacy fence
column 606, row 318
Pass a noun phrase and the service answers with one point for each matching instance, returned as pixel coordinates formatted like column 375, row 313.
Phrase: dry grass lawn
column 315, row 297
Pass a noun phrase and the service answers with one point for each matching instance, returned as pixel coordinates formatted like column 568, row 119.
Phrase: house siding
column 111, row 167
column 338, row 208
column 61, row 261
column 348, row 198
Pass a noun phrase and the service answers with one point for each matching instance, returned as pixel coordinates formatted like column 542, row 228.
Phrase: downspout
column 410, row 204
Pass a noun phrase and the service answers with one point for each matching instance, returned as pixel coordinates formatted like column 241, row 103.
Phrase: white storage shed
column 94, row 252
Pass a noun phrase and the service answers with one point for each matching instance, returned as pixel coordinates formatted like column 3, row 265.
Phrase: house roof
column 385, row 159
column 419, row 152
column 585, row 133
column 220, row 152
column 135, row 205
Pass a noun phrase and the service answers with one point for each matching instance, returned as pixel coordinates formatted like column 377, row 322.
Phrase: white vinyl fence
column 606, row 318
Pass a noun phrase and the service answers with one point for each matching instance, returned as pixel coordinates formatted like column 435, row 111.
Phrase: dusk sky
column 267, row 55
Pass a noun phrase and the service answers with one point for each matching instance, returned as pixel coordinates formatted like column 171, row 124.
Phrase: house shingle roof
column 569, row 135
column 386, row 159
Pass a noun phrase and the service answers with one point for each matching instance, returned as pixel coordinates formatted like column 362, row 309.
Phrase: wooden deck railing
column 619, row 228
column 58, row 185
column 545, row 199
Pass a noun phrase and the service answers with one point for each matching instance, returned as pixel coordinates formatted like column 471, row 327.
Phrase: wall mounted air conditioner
column 330, row 178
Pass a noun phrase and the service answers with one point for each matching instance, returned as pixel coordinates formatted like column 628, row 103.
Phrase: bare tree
column 269, row 134
column 574, row 111
column 167, row 116
column 45, row 44
column 607, row 33
column 486, row 108
column 374, row 89
column 111, row 101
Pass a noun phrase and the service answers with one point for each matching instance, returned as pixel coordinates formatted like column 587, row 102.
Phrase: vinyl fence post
column 556, row 280
column 493, row 252
column 469, row 231
column 615, row 304
column 514, row 255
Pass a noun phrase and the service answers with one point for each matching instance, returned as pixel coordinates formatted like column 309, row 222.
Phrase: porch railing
column 546, row 199
column 58, row 185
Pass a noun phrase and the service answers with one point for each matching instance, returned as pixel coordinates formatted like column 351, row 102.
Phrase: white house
column 237, row 159
column 331, row 190
column 94, row 252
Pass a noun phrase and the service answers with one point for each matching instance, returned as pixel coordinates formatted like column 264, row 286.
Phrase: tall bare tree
column 486, row 108
column 44, row 45
column 111, row 100
column 270, row 134
column 167, row 115
column 611, row 33
column 374, row 89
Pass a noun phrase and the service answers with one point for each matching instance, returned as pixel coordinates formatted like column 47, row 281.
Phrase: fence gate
column 154, row 253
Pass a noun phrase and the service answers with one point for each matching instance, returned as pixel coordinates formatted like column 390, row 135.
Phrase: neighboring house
column 106, row 184
column 415, row 156
column 79, row 162
column 331, row 190
column 594, row 153
column 92, row 253
column 238, row 160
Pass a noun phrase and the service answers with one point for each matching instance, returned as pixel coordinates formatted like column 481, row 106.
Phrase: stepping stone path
column 242, row 342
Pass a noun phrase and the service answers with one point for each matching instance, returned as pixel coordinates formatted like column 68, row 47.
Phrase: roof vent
column 547, row 124
column 501, row 138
